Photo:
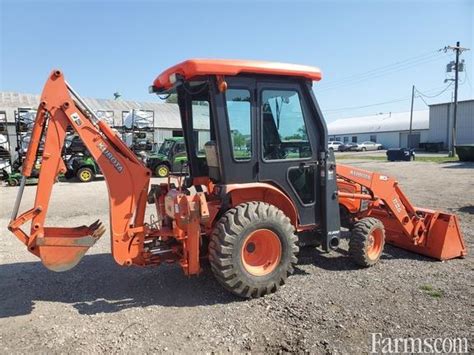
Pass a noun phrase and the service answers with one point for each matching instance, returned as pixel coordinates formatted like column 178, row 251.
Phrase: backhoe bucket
column 62, row 248
column 442, row 240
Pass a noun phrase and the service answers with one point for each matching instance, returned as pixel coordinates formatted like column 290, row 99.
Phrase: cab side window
column 180, row 148
column 283, row 127
column 239, row 116
column 202, row 125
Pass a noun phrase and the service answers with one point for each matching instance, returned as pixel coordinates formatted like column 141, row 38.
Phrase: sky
column 370, row 52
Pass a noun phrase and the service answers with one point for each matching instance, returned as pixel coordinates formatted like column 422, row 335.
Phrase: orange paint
column 261, row 252
column 431, row 233
column 192, row 68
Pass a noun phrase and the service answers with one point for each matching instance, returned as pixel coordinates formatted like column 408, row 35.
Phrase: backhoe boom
column 126, row 177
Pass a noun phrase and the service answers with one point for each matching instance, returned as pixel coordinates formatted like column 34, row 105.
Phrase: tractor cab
column 256, row 131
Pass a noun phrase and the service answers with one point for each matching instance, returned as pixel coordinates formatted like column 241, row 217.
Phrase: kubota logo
column 361, row 174
column 108, row 154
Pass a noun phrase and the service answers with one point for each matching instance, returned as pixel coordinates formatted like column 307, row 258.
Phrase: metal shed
column 441, row 123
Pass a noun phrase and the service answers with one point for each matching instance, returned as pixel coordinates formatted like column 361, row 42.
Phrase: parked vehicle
column 349, row 146
column 368, row 145
column 82, row 166
column 169, row 158
column 334, row 145
column 11, row 174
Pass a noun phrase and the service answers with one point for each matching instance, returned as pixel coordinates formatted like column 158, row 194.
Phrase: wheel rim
column 375, row 244
column 162, row 171
column 261, row 252
column 85, row 175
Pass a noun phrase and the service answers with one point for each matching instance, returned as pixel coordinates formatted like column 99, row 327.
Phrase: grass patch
column 431, row 291
column 365, row 157
column 437, row 159
column 428, row 159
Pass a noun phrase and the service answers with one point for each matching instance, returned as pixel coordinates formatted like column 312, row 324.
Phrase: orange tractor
column 260, row 178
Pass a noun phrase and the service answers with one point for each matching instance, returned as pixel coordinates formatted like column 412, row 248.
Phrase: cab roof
column 198, row 67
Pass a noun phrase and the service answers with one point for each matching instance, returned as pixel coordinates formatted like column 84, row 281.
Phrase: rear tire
column 85, row 174
column 252, row 249
column 162, row 170
column 367, row 241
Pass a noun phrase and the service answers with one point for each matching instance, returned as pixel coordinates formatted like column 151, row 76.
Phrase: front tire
column 252, row 249
column 367, row 241
column 12, row 182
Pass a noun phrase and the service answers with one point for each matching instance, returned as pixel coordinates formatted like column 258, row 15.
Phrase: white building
column 441, row 123
column 390, row 129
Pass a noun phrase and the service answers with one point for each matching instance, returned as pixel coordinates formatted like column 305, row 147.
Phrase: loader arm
column 432, row 233
column 127, row 179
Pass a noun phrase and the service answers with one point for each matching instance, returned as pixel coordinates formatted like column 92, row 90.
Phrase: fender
column 258, row 191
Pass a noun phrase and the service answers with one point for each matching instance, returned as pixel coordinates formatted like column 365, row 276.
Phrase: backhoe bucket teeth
column 62, row 248
column 442, row 240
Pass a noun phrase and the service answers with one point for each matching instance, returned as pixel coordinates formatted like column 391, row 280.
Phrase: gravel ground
column 328, row 306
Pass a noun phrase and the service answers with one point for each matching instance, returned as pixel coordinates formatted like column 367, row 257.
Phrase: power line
column 365, row 106
column 418, row 57
column 382, row 71
column 422, row 99
column 433, row 96
column 356, row 81
column 336, row 110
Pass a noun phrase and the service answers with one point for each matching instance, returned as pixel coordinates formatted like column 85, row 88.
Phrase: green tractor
column 78, row 160
column 83, row 167
column 12, row 174
column 170, row 157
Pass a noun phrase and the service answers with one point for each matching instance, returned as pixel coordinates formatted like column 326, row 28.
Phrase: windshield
column 165, row 147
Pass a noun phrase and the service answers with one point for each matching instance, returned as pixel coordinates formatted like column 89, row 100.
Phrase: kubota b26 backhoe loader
column 260, row 177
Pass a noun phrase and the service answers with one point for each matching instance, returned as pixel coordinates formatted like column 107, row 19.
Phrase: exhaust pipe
column 334, row 243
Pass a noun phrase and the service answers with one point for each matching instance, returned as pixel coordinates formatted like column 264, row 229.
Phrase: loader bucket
column 62, row 248
column 443, row 239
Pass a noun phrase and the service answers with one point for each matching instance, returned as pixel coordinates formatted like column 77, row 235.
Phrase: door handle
column 308, row 165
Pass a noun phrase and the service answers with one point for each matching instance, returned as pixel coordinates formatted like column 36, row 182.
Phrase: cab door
column 236, row 110
column 288, row 151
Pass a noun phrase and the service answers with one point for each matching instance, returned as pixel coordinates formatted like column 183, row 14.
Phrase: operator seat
column 212, row 159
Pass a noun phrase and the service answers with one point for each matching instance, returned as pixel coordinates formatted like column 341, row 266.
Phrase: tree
column 302, row 132
column 300, row 135
column 238, row 139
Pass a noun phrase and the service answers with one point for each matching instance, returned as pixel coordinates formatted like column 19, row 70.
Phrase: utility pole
column 458, row 49
column 411, row 115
